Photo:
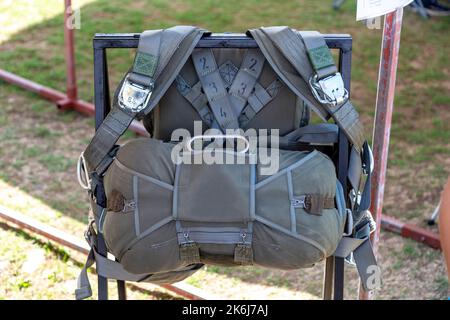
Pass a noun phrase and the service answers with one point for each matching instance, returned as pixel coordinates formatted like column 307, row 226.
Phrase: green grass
column 410, row 251
column 43, row 132
column 55, row 163
column 32, row 152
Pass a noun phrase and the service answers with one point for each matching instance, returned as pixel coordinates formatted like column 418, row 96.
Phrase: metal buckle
column 330, row 90
column 82, row 174
column 299, row 202
column 134, row 97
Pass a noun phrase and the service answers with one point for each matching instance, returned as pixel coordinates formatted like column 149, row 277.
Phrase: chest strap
column 214, row 88
column 246, row 79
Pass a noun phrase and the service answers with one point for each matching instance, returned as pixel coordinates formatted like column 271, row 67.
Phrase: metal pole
column 383, row 118
column 407, row 230
column 69, row 53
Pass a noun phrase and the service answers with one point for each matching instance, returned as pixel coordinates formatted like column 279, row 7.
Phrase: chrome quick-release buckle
column 134, row 97
column 330, row 90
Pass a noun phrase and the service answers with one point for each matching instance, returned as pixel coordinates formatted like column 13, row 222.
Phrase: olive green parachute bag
column 168, row 204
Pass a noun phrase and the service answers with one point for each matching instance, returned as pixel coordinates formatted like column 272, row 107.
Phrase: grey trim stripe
column 291, row 197
column 175, row 192
column 281, row 172
column 252, row 192
column 154, row 227
column 294, row 235
column 340, row 199
column 143, row 176
column 215, row 237
column 136, row 207
column 210, row 229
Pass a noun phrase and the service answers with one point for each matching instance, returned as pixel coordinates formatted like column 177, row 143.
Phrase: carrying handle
column 219, row 136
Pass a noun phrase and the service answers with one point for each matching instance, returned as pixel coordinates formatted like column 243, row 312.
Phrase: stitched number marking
column 243, row 88
column 253, row 63
column 203, row 61
column 223, row 114
column 213, row 85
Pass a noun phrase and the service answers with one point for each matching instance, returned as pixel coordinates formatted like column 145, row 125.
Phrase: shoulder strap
column 304, row 62
column 142, row 88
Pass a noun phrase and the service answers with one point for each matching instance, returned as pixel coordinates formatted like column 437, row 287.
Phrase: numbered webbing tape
column 214, row 88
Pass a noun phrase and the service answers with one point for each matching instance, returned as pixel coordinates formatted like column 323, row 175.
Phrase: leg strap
column 106, row 268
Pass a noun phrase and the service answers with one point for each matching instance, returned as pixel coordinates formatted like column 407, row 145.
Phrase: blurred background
column 39, row 145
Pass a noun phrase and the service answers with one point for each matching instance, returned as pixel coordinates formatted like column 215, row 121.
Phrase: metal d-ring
column 82, row 175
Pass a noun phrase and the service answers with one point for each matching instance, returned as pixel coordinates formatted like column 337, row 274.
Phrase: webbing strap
column 347, row 118
column 293, row 49
column 363, row 255
column 258, row 100
column 284, row 50
column 246, row 79
column 196, row 98
column 366, row 185
column 319, row 54
column 142, row 88
column 261, row 97
column 286, row 72
column 367, row 266
column 316, row 134
column 105, row 268
column 112, row 127
column 347, row 245
column 214, row 88
column 147, row 57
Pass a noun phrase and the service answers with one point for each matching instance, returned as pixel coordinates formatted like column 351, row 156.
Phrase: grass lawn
column 39, row 146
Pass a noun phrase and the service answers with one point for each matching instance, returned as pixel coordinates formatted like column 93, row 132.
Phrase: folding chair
column 333, row 285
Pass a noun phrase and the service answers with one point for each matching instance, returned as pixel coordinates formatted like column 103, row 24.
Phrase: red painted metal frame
column 411, row 231
column 383, row 119
column 62, row 100
column 69, row 52
column 384, row 108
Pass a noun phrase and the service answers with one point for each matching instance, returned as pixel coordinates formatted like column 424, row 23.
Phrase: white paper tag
column 367, row 9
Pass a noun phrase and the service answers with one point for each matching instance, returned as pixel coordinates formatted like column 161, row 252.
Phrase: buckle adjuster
column 134, row 97
column 330, row 90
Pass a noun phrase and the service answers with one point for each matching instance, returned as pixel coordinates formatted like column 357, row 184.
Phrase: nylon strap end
column 83, row 293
